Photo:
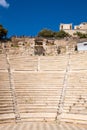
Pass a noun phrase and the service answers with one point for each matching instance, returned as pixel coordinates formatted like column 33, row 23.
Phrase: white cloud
column 4, row 3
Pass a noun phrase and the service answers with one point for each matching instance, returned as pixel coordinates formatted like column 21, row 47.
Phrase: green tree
column 3, row 32
column 61, row 34
column 46, row 33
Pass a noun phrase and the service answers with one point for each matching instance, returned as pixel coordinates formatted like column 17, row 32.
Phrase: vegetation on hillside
column 3, row 32
column 61, row 34
column 81, row 35
column 51, row 34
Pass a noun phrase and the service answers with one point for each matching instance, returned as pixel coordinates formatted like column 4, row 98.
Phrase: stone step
column 50, row 97
column 73, row 104
column 37, row 94
column 76, row 118
column 37, row 110
column 5, row 105
column 7, row 118
column 37, row 115
column 32, row 103
column 38, row 89
column 6, row 112
column 7, row 121
column 33, row 99
column 40, row 86
column 75, row 111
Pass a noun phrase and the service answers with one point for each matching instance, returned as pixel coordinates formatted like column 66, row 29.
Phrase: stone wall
column 46, row 47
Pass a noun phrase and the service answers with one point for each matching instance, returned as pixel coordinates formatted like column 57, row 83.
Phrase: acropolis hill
column 43, row 84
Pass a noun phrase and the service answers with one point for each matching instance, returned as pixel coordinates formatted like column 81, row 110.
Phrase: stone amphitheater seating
column 75, row 103
column 40, row 94
column 3, row 64
column 32, row 63
column 6, row 103
column 23, row 63
column 53, row 63
column 78, row 61
column 41, row 86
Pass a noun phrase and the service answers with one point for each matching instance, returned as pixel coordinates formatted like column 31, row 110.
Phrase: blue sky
column 28, row 17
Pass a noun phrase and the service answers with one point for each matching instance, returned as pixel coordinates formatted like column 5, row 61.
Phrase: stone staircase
column 64, row 88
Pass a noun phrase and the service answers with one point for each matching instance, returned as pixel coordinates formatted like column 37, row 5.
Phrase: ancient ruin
column 77, row 28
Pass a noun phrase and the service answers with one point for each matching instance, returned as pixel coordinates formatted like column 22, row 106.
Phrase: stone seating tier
column 39, row 88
